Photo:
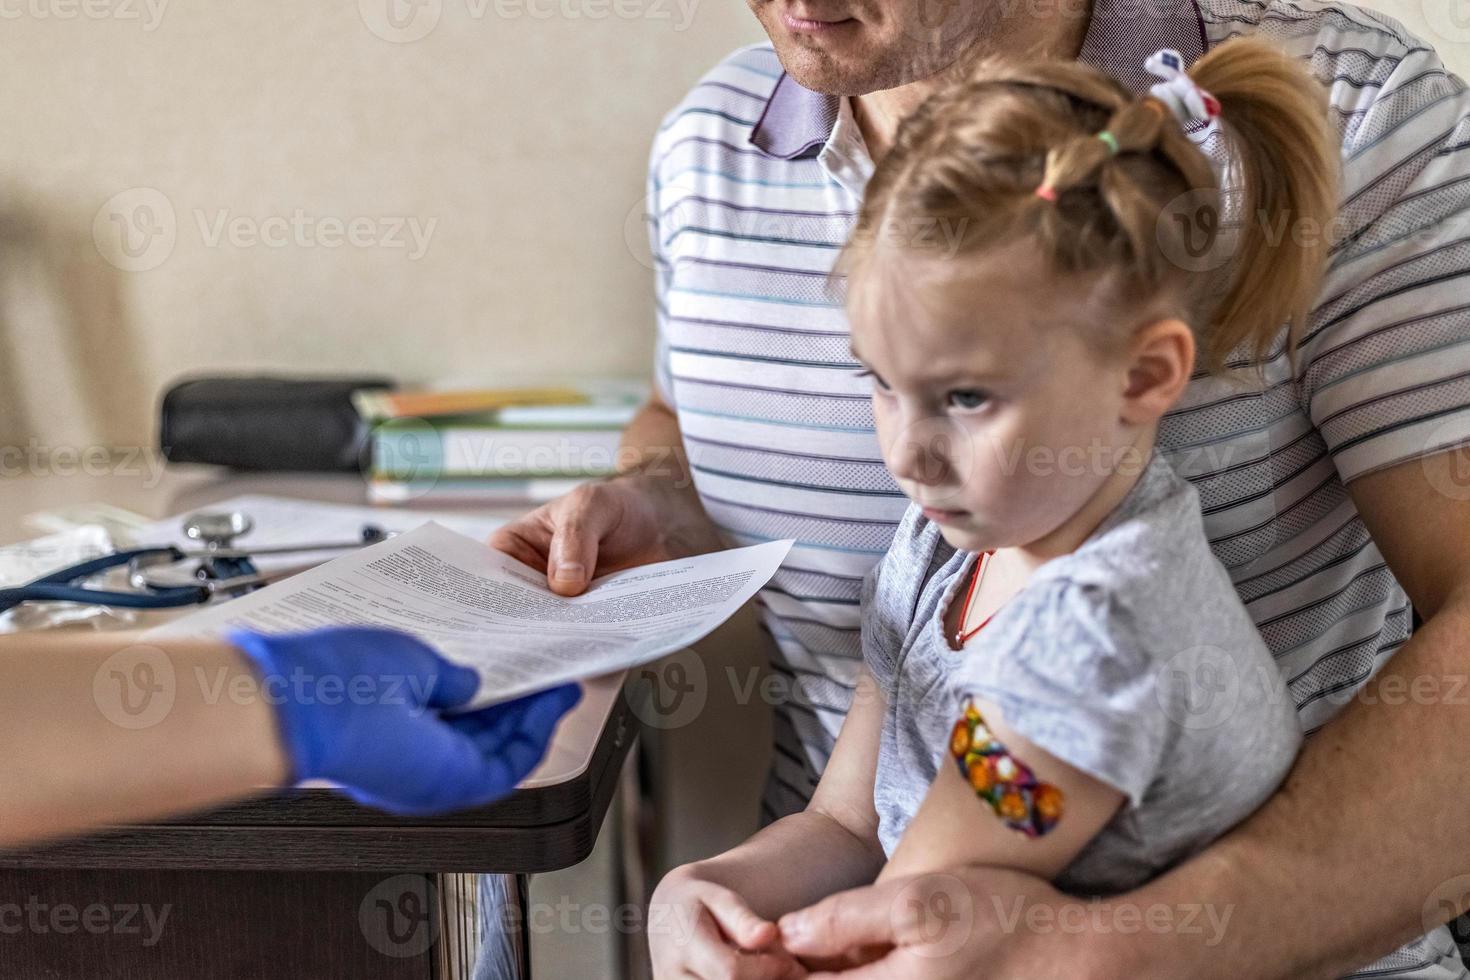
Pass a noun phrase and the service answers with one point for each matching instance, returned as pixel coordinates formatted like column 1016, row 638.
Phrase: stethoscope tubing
column 61, row 585
column 51, row 592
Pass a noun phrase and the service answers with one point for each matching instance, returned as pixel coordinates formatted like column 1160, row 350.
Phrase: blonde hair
column 973, row 155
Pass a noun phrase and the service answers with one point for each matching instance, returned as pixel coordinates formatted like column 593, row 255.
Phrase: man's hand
column 607, row 526
column 969, row 922
column 647, row 514
column 701, row 929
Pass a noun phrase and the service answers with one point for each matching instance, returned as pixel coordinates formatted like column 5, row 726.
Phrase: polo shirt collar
column 1121, row 34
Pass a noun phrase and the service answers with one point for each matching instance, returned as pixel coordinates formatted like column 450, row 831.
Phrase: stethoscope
column 164, row 577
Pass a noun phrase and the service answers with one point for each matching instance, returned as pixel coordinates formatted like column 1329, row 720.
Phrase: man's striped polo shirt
column 754, row 184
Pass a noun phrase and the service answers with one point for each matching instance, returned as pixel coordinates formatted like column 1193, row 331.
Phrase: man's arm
column 1370, row 823
column 650, row 512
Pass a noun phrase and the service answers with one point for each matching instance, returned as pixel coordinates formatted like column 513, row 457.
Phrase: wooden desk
column 304, row 885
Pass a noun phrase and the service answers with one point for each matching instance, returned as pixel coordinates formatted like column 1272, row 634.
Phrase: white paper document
column 484, row 609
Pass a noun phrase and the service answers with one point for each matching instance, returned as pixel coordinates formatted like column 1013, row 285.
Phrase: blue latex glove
column 360, row 707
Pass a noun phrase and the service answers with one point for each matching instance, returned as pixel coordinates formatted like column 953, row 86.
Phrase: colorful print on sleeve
column 1000, row 779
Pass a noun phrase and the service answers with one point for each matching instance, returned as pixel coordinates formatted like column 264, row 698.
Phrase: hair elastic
column 1189, row 103
column 1047, row 193
column 1110, row 140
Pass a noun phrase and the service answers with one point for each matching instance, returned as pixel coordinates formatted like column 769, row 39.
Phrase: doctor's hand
column 607, row 526
column 360, row 707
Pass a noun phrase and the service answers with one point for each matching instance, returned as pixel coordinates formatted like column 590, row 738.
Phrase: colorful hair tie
column 1189, row 103
column 1110, row 140
column 1047, row 193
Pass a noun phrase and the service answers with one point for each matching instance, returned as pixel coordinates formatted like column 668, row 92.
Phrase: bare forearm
column 1332, row 845
column 652, row 442
column 793, row 863
column 652, row 454
column 101, row 729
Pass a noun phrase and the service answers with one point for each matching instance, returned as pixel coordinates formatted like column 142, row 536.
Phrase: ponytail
column 1276, row 114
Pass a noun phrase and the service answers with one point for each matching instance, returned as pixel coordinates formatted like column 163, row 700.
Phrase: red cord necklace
column 961, row 635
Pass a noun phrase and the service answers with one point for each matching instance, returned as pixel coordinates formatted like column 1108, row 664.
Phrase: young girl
column 1060, row 676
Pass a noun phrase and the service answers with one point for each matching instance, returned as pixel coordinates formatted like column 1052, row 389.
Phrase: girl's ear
column 1159, row 363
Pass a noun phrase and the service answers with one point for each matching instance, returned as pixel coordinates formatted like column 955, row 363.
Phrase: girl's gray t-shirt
column 1131, row 659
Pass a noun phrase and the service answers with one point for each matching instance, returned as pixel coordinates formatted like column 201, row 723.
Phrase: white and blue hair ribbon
column 1189, row 103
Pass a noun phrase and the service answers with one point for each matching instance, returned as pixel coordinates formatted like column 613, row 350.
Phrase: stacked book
column 494, row 446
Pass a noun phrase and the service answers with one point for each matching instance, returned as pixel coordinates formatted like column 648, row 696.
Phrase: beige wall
column 515, row 142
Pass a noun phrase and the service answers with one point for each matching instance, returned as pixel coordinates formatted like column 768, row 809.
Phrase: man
column 754, row 183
